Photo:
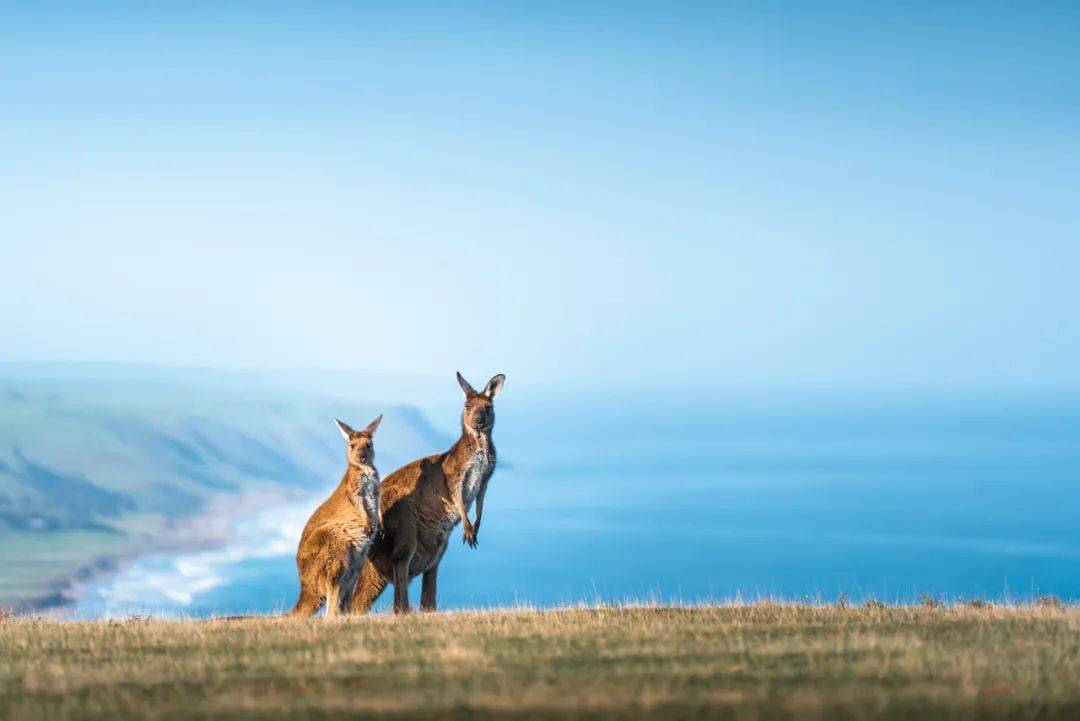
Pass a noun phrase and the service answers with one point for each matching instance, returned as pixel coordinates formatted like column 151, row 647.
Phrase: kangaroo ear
column 494, row 386
column 374, row 424
column 465, row 387
column 344, row 428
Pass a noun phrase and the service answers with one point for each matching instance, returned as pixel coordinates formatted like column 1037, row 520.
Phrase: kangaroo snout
column 485, row 418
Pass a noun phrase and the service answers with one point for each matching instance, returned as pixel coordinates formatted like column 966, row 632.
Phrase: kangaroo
column 425, row 500
column 337, row 537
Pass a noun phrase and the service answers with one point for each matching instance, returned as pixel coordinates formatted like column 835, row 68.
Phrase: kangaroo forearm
column 479, row 508
column 459, row 503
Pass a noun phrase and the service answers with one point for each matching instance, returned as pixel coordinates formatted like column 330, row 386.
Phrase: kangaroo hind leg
column 368, row 588
column 333, row 600
column 427, row 589
column 347, row 588
column 401, row 585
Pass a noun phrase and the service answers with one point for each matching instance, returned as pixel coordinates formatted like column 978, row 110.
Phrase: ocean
column 687, row 502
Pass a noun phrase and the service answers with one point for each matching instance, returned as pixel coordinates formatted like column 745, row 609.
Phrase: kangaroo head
column 479, row 413
column 361, row 447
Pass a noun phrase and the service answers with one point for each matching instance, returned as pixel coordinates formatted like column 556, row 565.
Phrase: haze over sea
column 800, row 496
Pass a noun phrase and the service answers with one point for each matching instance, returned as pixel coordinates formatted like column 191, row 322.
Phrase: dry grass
column 759, row 661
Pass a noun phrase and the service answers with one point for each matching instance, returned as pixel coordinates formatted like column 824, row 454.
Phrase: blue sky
column 616, row 194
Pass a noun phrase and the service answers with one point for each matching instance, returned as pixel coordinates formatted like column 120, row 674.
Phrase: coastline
column 212, row 528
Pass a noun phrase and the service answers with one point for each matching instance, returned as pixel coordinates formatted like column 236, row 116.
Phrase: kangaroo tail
column 368, row 588
column 308, row 604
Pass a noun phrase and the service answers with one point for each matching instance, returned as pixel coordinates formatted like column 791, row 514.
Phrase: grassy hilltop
column 762, row 661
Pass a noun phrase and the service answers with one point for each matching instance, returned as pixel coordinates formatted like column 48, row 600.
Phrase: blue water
column 886, row 500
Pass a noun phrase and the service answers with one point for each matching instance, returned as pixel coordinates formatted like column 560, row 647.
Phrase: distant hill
column 95, row 470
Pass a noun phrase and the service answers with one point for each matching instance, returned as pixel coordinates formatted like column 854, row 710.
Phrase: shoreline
column 212, row 528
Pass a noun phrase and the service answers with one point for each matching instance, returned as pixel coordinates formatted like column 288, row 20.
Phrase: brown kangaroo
column 337, row 537
column 424, row 500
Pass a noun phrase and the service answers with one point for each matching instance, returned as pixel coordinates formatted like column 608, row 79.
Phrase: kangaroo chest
column 366, row 495
column 476, row 470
